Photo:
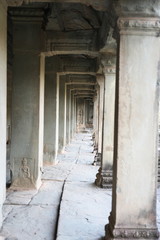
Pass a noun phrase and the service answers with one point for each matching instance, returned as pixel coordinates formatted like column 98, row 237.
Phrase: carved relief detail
column 131, row 233
column 109, row 70
column 108, row 63
column 24, row 176
column 139, row 23
column 24, row 170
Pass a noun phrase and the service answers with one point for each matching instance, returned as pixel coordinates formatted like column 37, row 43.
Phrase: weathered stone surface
column 84, row 207
column 87, row 173
column 27, row 222
column 27, row 106
column 58, row 172
column 130, row 184
column 50, row 153
column 48, row 194
column 3, row 97
column 82, row 213
column 19, row 197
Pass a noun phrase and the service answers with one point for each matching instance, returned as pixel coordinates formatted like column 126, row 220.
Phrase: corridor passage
column 68, row 205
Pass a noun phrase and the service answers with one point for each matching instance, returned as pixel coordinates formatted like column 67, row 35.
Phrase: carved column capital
column 108, row 64
column 100, row 78
column 137, row 17
column 146, row 25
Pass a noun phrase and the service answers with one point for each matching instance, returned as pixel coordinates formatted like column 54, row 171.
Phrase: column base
column 104, row 178
column 130, row 233
column 97, row 159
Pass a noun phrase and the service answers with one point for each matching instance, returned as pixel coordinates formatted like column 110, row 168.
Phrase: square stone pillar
column 72, row 116
column 27, row 103
column 104, row 177
column 3, row 104
column 80, row 107
column 57, row 115
column 68, row 114
column 50, row 152
column 62, row 114
column 95, row 120
column 100, row 81
column 75, row 113
column 133, row 213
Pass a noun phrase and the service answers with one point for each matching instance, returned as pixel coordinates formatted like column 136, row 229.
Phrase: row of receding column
column 130, row 130
column 64, row 114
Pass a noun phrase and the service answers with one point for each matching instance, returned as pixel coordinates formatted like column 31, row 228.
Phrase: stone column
column 86, row 112
column 50, row 152
column 104, row 177
column 133, row 213
column 3, row 90
column 68, row 114
column 72, row 116
column 75, row 113
column 95, row 122
column 100, row 81
column 62, row 114
column 57, row 115
column 80, row 114
column 27, row 103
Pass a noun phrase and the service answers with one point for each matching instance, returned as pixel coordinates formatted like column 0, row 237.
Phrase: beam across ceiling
column 100, row 5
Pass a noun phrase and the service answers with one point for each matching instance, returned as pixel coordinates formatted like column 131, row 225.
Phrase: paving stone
column 58, row 172
column 19, row 197
column 86, row 173
column 91, row 204
column 48, row 194
column 81, row 226
column 84, row 209
column 31, row 222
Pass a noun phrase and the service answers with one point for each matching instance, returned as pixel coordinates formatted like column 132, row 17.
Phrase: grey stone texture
column 27, row 105
column 67, row 196
column 50, row 153
column 133, row 187
column 3, row 101
column 67, row 205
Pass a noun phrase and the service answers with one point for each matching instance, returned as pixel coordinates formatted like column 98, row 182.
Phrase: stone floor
column 68, row 205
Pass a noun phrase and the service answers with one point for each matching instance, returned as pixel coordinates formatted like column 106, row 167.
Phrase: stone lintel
column 104, row 178
column 82, row 88
column 25, row 15
column 77, row 73
column 100, row 6
column 72, row 52
column 78, row 83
